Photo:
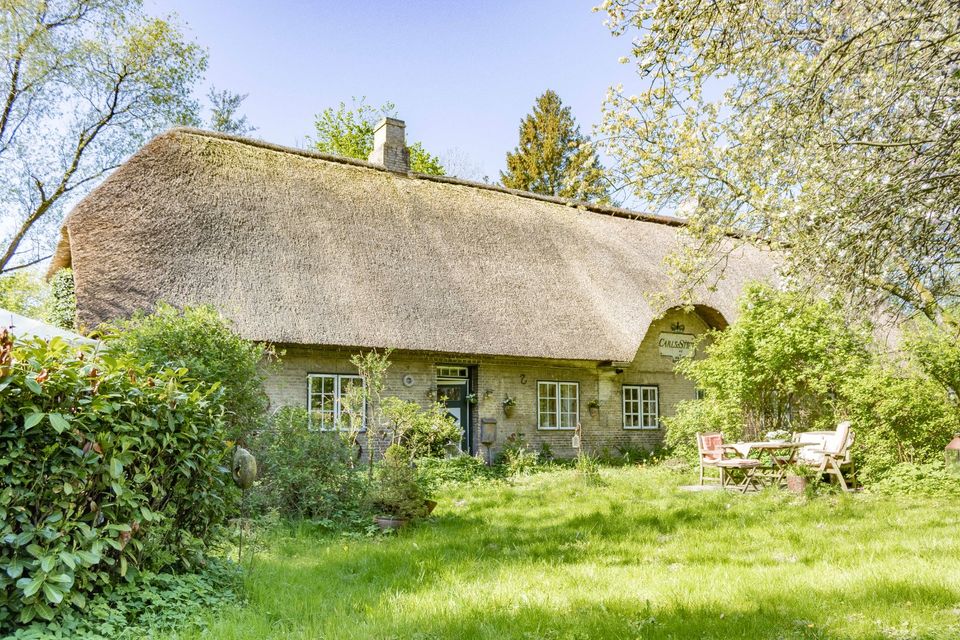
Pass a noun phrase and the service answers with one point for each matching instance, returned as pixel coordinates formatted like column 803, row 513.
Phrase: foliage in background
column 225, row 112
column 779, row 366
column 109, row 466
column 305, row 473
column 22, row 292
column 936, row 350
column 755, row 114
column 156, row 603
column 60, row 308
column 84, row 84
column 901, row 416
column 423, row 433
column 929, row 479
column 701, row 416
column 348, row 131
column 553, row 158
column 201, row 340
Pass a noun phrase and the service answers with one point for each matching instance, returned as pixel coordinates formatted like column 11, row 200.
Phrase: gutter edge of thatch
column 62, row 255
column 617, row 212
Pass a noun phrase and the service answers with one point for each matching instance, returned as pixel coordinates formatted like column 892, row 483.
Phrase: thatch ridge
column 610, row 210
column 304, row 248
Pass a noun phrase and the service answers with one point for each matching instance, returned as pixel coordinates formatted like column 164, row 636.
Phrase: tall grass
column 554, row 556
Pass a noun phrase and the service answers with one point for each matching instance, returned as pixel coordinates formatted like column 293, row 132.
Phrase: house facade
column 521, row 313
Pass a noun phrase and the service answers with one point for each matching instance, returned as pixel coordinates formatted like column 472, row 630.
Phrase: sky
column 462, row 73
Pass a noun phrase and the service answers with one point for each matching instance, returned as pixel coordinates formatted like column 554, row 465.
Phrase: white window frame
column 557, row 413
column 337, row 380
column 642, row 414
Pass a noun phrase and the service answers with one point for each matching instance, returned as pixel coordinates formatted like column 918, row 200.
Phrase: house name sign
column 676, row 343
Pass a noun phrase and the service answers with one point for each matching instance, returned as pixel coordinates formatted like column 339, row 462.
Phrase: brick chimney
column 390, row 146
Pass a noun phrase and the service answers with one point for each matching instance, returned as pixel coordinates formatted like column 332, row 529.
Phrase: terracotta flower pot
column 389, row 522
column 508, row 410
column 796, row 484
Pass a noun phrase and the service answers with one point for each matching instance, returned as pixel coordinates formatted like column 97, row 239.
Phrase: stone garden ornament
column 244, row 472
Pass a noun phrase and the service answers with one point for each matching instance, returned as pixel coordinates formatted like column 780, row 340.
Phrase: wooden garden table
column 780, row 452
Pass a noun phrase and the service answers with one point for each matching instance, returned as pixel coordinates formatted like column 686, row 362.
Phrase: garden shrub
column 398, row 491
column 924, row 479
column 202, row 341
column 700, row 416
column 306, row 473
column 900, row 416
column 109, row 467
column 422, row 432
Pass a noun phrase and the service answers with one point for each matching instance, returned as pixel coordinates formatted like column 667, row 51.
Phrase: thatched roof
column 302, row 248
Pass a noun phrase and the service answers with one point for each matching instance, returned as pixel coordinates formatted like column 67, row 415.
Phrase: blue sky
column 462, row 73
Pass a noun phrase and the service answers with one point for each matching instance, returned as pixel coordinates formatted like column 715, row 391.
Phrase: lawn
column 550, row 556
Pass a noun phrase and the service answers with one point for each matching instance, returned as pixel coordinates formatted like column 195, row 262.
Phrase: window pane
column 547, row 401
column 631, row 407
column 569, row 397
column 650, row 408
column 321, row 401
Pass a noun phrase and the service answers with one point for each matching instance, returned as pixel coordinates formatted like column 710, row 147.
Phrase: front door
column 452, row 394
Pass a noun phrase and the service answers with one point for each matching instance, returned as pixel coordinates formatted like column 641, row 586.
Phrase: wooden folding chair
column 836, row 455
column 746, row 467
column 710, row 447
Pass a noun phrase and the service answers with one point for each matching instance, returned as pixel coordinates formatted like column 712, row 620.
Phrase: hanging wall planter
column 508, row 406
column 594, row 407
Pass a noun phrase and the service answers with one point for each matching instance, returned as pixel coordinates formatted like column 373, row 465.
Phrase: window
column 641, row 407
column 701, row 394
column 558, row 405
column 447, row 371
column 324, row 394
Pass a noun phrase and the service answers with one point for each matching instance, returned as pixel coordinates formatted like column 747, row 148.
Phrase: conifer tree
column 553, row 157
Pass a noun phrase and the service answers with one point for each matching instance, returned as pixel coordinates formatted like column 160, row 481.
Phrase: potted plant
column 508, row 405
column 472, row 398
column 594, row 407
column 798, row 476
column 398, row 495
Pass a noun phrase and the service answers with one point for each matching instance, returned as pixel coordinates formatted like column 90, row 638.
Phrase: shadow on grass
column 786, row 617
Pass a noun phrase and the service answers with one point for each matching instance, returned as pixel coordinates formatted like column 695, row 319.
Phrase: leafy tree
column 83, row 84
column 782, row 365
column 348, row 131
column 828, row 128
column 553, row 157
column 21, row 292
column 224, row 116
column 201, row 340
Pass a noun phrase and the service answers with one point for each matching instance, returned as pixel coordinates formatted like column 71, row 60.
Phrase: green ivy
column 158, row 603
